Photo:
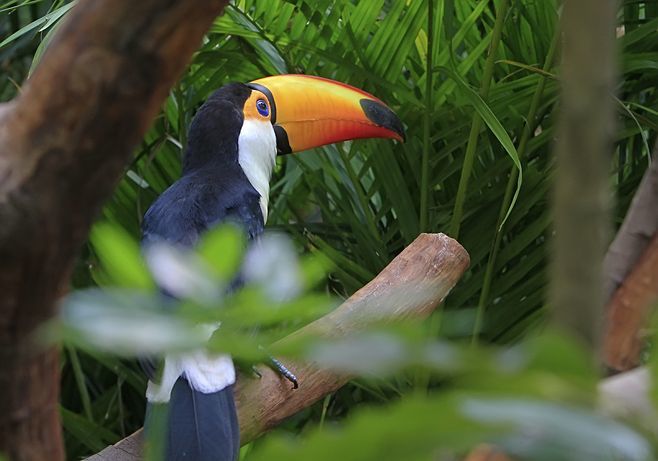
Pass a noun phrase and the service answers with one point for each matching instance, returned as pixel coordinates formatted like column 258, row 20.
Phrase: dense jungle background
column 477, row 164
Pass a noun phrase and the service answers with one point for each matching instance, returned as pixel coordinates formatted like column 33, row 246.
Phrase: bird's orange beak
column 309, row 112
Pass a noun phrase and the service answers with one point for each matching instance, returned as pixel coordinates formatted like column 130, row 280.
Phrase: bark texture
column 631, row 276
column 629, row 311
column 639, row 227
column 411, row 286
column 64, row 142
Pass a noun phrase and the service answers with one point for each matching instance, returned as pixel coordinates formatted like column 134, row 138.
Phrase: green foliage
column 223, row 251
column 411, row 429
column 358, row 204
column 120, row 257
column 131, row 317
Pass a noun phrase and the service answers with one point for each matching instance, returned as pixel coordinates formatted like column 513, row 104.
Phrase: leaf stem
column 80, row 381
column 528, row 130
column 424, row 187
column 476, row 124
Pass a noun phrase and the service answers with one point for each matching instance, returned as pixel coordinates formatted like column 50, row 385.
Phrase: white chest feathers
column 257, row 155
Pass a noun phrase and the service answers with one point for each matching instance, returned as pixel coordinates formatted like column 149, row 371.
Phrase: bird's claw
column 283, row 371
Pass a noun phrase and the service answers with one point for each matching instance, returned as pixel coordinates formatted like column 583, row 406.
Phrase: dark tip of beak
column 381, row 115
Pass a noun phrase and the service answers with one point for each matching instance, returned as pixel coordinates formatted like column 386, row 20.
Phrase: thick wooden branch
column 630, row 309
column 636, row 232
column 411, row 286
column 631, row 276
column 64, row 143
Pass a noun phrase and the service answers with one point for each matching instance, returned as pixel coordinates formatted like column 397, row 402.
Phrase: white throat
column 257, row 155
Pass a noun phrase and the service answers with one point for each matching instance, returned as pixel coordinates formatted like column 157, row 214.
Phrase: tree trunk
column 583, row 149
column 64, row 142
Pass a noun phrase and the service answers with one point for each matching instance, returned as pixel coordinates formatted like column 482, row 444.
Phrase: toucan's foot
column 283, row 371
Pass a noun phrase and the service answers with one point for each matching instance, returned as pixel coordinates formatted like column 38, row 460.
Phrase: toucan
column 233, row 142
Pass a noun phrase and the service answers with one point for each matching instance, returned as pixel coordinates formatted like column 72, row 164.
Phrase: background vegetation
column 358, row 204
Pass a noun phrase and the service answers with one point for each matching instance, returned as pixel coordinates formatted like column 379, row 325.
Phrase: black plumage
column 184, row 441
column 213, row 189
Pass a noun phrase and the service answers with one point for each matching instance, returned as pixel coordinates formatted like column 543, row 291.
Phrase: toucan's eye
column 263, row 110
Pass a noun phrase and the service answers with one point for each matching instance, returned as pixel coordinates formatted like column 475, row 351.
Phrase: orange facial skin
column 250, row 108
column 315, row 111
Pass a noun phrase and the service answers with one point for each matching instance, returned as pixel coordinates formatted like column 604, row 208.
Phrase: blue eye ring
column 263, row 110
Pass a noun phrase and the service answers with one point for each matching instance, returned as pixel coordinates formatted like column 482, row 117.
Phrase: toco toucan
column 233, row 142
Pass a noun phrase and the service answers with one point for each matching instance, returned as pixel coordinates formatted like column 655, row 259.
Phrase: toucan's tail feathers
column 200, row 427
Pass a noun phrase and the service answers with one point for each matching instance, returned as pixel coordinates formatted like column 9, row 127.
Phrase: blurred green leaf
column 120, row 256
column 553, row 432
column 412, row 429
column 222, row 250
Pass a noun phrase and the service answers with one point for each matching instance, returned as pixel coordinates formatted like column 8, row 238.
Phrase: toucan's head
column 309, row 112
column 302, row 111
column 251, row 123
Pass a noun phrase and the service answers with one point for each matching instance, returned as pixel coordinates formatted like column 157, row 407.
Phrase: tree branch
column 411, row 286
column 629, row 311
column 631, row 276
column 64, row 142
column 636, row 232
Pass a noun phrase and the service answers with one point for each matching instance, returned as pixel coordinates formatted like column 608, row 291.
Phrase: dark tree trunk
column 583, row 149
column 63, row 145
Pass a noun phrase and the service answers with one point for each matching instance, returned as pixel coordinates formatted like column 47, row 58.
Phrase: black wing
column 196, row 203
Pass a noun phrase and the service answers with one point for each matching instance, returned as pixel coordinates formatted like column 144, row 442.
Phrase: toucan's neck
column 257, row 156
column 223, row 140
column 248, row 154
column 208, row 158
column 213, row 137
